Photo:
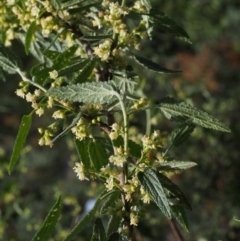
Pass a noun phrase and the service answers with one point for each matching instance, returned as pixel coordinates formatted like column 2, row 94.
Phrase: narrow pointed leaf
column 180, row 215
column 49, row 223
column 70, row 3
column 86, row 72
column 29, row 35
column 175, row 190
column 2, row 76
column 99, row 233
column 111, row 201
column 70, row 69
column 9, row 61
column 165, row 23
column 113, row 224
column 20, row 140
column 177, row 165
column 181, row 134
column 82, row 149
column 93, row 92
column 152, row 185
column 153, row 66
column 68, row 128
column 55, row 4
column 97, row 154
column 174, row 109
column 86, row 219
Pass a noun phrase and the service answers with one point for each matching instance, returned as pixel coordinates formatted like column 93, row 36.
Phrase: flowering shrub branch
column 85, row 51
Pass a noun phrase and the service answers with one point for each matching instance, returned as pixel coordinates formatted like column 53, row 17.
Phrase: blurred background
column 210, row 80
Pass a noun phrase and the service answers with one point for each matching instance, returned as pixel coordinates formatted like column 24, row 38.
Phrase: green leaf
column 70, row 3
column 135, row 149
column 113, row 224
column 98, row 154
column 29, row 35
column 114, row 237
column 82, row 149
column 96, row 37
column 68, row 128
column 125, row 84
column 118, row 142
column 174, row 109
column 56, row 4
column 86, row 219
column 152, row 185
column 40, row 72
column 174, row 190
column 9, row 61
column 168, row 25
column 81, row 9
column 99, row 233
column 111, row 201
column 181, row 134
column 86, row 72
column 70, row 69
column 176, row 165
column 153, row 66
column 180, row 215
column 2, row 76
column 93, row 92
column 49, row 223
column 20, row 140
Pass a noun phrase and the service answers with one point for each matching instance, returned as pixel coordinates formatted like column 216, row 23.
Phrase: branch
column 175, row 230
column 79, row 34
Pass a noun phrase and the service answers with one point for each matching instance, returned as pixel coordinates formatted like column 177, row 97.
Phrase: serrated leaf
column 99, row 233
column 148, row 64
column 70, row 69
column 20, row 140
column 9, row 61
column 49, row 223
column 181, row 134
column 70, row 3
column 68, row 128
column 82, row 149
column 174, row 190
column 107, row 145
column 173, row 109
column 125, row 84
column 113, row 224
column 87, row 218
column 93, row 92
column 176, row 165
column 135, row 149
column 40, row 73
column 29, row 35
column 86, row 72
column 114, row 237
column 98, row 154
column 168, row 25
column 152, row 185
column 118, row 142
column 56, row 4
column 110, row 202
column 180, row 215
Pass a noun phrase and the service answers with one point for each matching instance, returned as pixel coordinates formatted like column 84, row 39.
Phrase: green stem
column 123, row 3
column 24, row 78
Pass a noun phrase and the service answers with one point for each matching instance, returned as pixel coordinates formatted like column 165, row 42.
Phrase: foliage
column 86, row 76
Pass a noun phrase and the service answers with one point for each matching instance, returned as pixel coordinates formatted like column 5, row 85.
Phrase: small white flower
column 109, row 184
column 20, row 93
column 58, row 114
column 40, row 111
column 79, row 169
column 53, row 74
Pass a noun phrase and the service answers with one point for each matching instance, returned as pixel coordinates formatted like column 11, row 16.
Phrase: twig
column 175, row 230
